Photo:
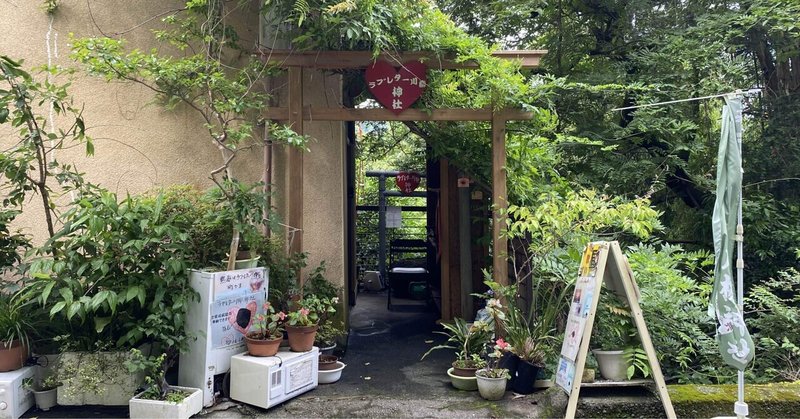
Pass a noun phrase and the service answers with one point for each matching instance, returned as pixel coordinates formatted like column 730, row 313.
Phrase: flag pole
column 740, row 407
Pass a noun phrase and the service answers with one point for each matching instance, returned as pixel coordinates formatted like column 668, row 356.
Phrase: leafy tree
column 30, row 165
column 210, row 78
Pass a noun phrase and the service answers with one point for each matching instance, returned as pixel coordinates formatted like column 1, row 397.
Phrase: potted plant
column 468, row 341
column 530, row 336
column 613, row 333
column 327, row 335
column 302, row 323
column 266, row 332
column 160, row 399
column 492, row 379
column 44, row 392
column 115, row 277
column 14, row 327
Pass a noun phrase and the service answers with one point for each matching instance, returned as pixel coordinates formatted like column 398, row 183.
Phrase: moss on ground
column 763, row 400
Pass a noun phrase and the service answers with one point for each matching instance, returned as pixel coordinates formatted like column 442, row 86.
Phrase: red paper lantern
column 407, row 181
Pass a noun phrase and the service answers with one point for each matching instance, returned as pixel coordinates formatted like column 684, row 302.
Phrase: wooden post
column 447, row 246
column 294, row 195
column 499, row 199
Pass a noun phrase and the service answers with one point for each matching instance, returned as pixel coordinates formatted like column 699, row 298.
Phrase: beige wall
column 139, row 145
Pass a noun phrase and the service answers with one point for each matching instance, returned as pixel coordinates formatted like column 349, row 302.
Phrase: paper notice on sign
column 232, row 316
column 565, row 374
column 238, row 282
column 394, row 217
column 572, row 337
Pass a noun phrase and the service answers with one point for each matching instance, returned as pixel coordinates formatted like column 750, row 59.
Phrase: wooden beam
column 499, row 200
column 381, row 114
column 333, row 60
column 294, row 194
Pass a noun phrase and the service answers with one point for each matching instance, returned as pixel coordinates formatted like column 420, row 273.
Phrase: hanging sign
column 396, row 89
column 407, row 181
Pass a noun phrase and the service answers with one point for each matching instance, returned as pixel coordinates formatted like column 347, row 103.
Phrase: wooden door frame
column 296, row 113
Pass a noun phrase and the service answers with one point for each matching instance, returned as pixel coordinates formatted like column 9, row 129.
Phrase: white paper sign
column 230, row 318
column 394, row 217
column 242, row 281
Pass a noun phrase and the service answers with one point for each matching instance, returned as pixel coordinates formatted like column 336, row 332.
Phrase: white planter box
column 192, row 404
column 99, row 378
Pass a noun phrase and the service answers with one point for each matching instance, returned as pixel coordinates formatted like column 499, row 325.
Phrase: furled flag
column 734, row 340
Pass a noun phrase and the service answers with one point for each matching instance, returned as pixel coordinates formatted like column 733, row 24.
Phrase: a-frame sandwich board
column 603, row 263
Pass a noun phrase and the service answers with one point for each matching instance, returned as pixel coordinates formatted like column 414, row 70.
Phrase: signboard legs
column 603, row 263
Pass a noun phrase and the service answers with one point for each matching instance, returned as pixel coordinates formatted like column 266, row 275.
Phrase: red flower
column 501, row 344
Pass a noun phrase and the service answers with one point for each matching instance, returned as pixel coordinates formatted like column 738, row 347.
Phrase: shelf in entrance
column 639, row 382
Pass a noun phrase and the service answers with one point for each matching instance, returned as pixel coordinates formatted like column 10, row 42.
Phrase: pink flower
column 501, row 344
column 282, row 315
column 304, row 311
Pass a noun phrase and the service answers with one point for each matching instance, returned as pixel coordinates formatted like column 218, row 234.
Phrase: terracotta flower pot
column 262, row 347
column 328, row 362
column 464, row 372
column 12, row 357
column 301, row 338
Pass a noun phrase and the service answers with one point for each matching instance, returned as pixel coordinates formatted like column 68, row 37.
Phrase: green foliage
column 312, row 309
column 212, row 79
column 15, row 323
column 12, row 245
column 613, row 326
column 48, row 383
column 467, row 340
column 29, row 165
column 117, row 273
column 155, row 368
column 531, row 333
column 772, row 311
column 267, row 324
column 675, row 290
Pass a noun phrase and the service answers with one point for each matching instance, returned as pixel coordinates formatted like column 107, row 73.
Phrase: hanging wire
column 669, row 102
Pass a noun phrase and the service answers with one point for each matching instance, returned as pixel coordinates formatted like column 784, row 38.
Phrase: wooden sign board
column 602, row 263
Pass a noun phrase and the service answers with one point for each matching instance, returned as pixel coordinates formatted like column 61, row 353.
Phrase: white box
column 217, row 338
column 268, row 381
column 14, row 398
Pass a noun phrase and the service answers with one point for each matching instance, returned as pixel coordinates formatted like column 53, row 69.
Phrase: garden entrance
column 449, row 266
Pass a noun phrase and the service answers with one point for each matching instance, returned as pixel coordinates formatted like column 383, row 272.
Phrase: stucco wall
column 140, row 145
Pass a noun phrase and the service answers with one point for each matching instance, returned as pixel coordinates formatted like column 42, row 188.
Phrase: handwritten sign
column 396, row 89
column 407, row 181
column 240, row 281
column 232, row 316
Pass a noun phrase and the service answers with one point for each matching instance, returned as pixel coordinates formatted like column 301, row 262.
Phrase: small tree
column 211, row 78
column 30, row 164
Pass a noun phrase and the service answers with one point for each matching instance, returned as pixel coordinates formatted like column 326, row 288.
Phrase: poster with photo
column 565, row 374
column 232, row 316
column 588, row 297
column 572, row 337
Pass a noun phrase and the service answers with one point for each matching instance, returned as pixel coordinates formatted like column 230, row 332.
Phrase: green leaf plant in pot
column 492, row 379
column 468, row 340
column 159, row 398
column 266, row 333
column 617, row 348
column 302, row 322
column 14, row 329
column 530, row 336
column 44, row 391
